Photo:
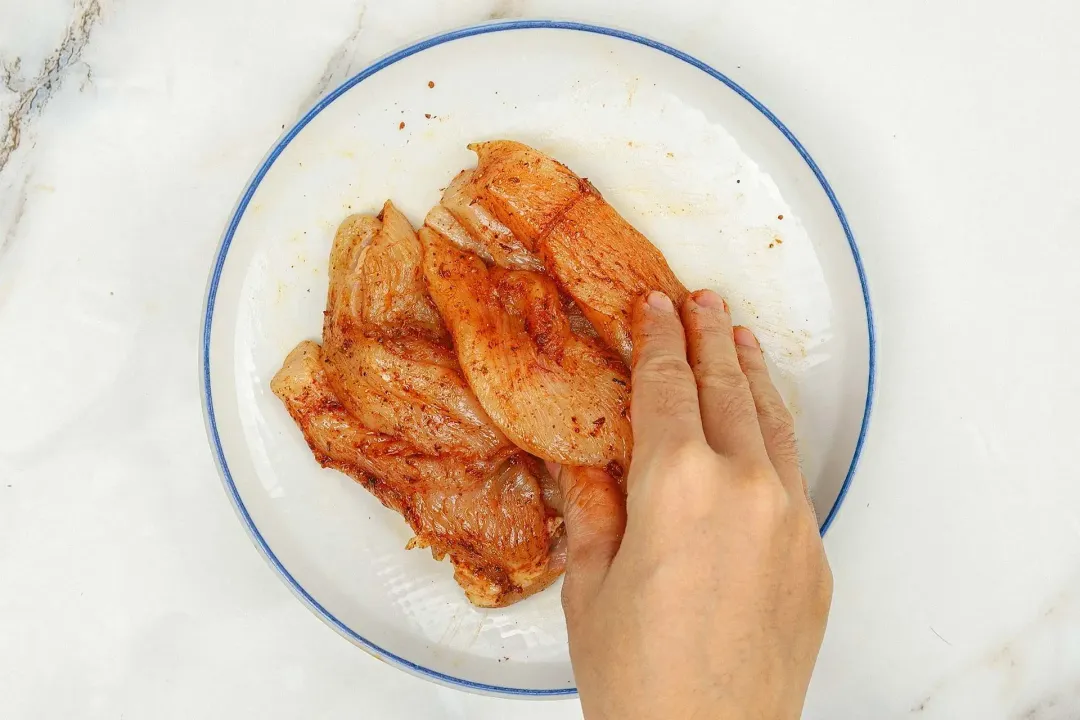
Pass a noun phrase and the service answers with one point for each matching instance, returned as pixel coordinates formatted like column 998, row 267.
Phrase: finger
column 728, row 413
column 776, row 423
column 594, row 516
column 663, row 400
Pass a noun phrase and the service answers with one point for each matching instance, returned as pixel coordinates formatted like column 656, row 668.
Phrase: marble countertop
column 127, row 128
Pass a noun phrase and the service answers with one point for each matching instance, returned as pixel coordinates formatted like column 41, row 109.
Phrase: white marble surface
column 129, row 590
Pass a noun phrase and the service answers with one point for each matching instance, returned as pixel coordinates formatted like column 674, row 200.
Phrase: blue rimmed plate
column 718, row 183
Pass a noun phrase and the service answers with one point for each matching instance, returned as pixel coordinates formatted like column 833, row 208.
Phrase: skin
column 705, row 593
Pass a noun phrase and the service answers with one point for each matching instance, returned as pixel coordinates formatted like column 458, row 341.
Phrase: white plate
column 686, row 155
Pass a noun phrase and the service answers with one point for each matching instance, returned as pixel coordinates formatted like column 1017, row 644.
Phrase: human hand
column 705, row 594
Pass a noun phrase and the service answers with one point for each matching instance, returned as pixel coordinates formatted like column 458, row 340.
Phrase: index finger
column 664, row 410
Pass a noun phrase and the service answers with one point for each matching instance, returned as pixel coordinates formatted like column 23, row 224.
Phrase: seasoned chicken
column 387, row 353
column 557, row 393
column 525, row 189
column 476, row 230
column 488, row 515
column 453, row 357
column 599, row 259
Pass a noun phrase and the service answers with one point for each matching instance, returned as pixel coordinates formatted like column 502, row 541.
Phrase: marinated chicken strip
column 488, row 516
column 376, row 278
column 387, row 352
column 558, row 395
column 599, row 259
column 523, row 188
column 606, row 265
column 477, row 230
column 453, row 228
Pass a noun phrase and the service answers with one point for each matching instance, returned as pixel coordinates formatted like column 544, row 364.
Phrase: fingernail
column 709, row 299
column 745, row 338
column 659, row 301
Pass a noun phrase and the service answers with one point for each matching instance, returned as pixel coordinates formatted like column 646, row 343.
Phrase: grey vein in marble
column 34, row 94
column 1057, row 707
column 16, row 218
column 1009, row 659
column 506, row 9
column 341, row 64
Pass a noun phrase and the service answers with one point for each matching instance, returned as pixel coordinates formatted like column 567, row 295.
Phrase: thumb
column 594, row 513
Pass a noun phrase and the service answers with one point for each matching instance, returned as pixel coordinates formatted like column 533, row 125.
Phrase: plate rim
column 252, row 185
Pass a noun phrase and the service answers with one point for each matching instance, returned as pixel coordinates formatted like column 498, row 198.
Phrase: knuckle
column 731, row 400
column 589, row 498
column 722, row 378
column 751, row 359
column 779, row 420
column 708, row 321
column 692, row 484
column 659, row 331
column 772, row 406
column 669, row 401
column 783, row 445
column 661, row 367
column 765, row 500
column 690, row 459
column 664, row 381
